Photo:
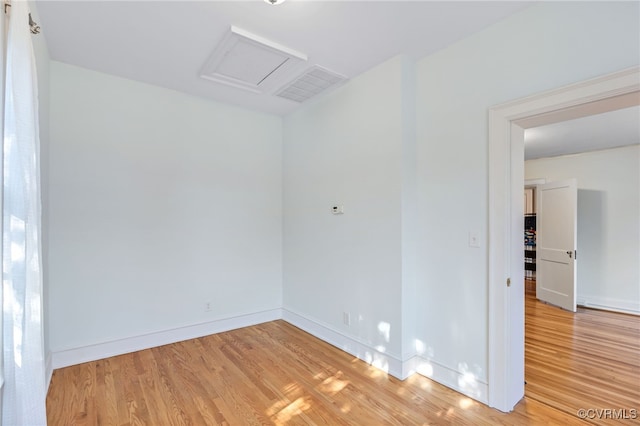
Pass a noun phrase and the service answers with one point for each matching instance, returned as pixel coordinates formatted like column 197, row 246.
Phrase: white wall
column 608, row 222
column 347, row 148
column 544, row 47
column 159, row 202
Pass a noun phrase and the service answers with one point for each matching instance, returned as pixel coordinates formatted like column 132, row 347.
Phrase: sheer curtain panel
column 24, row 393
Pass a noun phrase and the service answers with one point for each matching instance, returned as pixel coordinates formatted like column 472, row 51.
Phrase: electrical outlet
column 207, row 306
column 346, row 318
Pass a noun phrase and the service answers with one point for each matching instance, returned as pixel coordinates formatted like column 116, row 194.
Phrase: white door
column 556, row 243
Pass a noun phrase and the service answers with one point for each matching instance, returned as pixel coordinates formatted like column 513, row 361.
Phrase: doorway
column 507, row 124
column 561, row 346
column 600, row 152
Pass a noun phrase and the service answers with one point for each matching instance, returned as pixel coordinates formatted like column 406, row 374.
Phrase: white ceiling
column 167, row 43
column 601, row 131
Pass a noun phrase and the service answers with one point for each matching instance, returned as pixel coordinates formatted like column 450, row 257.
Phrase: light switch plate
column 474, row 240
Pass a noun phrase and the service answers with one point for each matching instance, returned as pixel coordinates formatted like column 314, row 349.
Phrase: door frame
column 507, row 123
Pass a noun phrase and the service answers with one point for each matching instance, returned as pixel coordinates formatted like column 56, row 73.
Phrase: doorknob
column 570, row 253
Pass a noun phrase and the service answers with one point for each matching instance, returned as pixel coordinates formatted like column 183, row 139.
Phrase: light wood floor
column 275, row 373
column 588, row 359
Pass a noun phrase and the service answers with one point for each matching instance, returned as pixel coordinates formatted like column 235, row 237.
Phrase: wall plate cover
column 337, row 209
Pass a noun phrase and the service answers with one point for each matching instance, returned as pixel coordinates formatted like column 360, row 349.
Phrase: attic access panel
column 250, row 62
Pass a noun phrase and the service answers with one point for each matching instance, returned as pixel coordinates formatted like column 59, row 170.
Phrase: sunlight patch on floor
column 296, row 408
column 345, row 408
column 424, row 384
column 446, row 413
column 333, row 385
column 466, row 403
column 320, row 376
column 291, row 392
column 376, row 373
column 277, row 406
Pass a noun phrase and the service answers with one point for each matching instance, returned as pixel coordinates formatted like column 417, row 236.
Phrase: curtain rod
column 33, row 25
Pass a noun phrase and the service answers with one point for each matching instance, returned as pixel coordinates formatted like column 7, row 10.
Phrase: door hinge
column 508, row 282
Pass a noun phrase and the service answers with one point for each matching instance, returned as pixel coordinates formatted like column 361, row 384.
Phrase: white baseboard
column 610, row 304
column 48, row 369
column 384, row 361
column 95, row 352
column 410, row 366
column 465, row 383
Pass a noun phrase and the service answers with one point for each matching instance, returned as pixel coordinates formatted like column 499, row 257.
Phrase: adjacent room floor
column 581, row 361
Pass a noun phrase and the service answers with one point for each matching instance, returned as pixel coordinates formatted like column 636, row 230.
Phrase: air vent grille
column 314, row 81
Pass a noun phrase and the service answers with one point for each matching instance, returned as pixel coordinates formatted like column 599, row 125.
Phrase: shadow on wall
column 591, row 242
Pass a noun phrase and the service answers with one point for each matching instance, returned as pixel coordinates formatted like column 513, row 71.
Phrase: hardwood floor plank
column 276, row 374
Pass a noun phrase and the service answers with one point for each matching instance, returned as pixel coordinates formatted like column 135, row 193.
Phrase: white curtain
column 24, row 393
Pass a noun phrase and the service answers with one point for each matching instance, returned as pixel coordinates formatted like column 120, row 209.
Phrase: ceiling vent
column 250, row 62
column 314, row 81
